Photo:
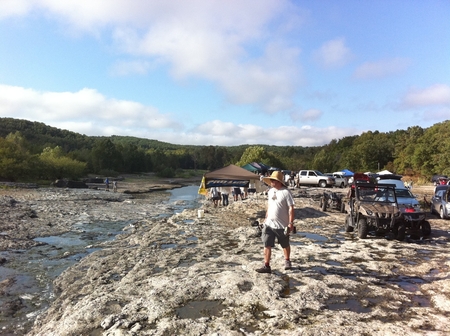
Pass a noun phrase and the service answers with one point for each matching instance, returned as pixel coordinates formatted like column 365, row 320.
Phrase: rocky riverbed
column 185, row 275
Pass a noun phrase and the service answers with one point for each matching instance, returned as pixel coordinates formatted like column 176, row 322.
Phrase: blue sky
column 233, row 72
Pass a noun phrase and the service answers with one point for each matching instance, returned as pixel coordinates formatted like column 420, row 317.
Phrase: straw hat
column 277, row 176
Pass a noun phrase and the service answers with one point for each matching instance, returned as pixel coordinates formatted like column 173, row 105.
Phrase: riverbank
column 185, row 275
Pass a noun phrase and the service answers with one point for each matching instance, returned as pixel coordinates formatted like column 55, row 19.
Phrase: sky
column 226, row 73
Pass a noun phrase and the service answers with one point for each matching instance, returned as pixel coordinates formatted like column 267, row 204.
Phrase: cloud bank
column 91, row 113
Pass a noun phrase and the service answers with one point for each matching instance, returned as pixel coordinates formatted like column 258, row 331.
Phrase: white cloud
column 215, row 40
column 306, row 116
column 10, row 8
column 437, row 115
column 89, row 112
column 311, row 115
column 224, row 133
column 333, row 54
column 438, row 94
column 85, row 108
column 125, row 68
column 382, row 68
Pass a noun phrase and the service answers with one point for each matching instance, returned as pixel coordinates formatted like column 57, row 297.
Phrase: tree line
column 35, row 151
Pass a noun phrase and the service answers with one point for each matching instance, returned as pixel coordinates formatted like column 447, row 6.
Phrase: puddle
column 424, row 251
column 168, row 246
column 420, row 301
column 198, row 309
column 187, row 263
column 351, row 305
column 320, row 269
column 333, row 263
column 408, row 284
column 356, row 260
column 193, row 238
column 290, row 287
column 245, row 286
column 313, row 236
column 297, row 243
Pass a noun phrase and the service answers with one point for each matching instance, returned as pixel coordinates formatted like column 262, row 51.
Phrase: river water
column 33, row 271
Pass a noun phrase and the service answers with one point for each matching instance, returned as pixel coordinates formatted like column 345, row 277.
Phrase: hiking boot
column 287, row 265
column 264, row 269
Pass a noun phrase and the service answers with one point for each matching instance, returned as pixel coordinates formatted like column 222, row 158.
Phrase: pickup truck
column 340, row 180
column 314, row 177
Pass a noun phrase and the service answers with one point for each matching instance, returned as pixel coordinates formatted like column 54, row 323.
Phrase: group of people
column 107, row 183
column 289, row 180
column 220, row 195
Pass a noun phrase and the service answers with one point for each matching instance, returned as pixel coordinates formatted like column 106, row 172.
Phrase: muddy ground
column 186, row 275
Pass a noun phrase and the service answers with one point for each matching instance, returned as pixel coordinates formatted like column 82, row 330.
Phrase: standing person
column 287, row 180
column 225, row 192
column 215, row 195
column 237, row 193
column 107, row 184
column 115, row 186
column 279, row 217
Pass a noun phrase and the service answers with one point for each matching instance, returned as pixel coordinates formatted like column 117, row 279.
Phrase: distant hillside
column 42, row 135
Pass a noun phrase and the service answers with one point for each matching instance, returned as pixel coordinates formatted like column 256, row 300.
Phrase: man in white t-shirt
column 279, row 220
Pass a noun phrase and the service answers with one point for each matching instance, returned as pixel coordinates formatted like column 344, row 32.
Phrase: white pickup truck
column 315, row 177
column 339, row 179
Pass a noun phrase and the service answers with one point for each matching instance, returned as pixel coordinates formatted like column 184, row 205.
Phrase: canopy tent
column 229, row 176
column 347, row 172
column 384, row 172
column 251, row 168
column 261, row 166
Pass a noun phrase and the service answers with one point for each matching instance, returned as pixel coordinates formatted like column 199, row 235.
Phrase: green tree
column 16, row 162
column 405, row 145
column 106, row 157
column 431, row 151
column 56, row 165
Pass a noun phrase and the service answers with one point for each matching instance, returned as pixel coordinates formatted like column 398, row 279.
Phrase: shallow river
column 35, row 269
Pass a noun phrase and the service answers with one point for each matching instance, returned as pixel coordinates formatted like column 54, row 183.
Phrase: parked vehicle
column 339, row 179
column 439, row 179
column 404, row 195
column 414, row 217
column 331, row 200
column 315, row 177
column 440, row 202
column 375, row 208
column 368, row 211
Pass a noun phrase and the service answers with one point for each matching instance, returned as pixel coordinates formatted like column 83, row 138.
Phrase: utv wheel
column 363, row 228
column 342, row 185
column 323, row 184
column 441, row 213
column 342, row 207
column 401, row 232
column 348, row 223
column 426, row 228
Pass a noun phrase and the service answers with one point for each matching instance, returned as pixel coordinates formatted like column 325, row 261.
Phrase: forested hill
column 41, row 135
column 27, row 147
